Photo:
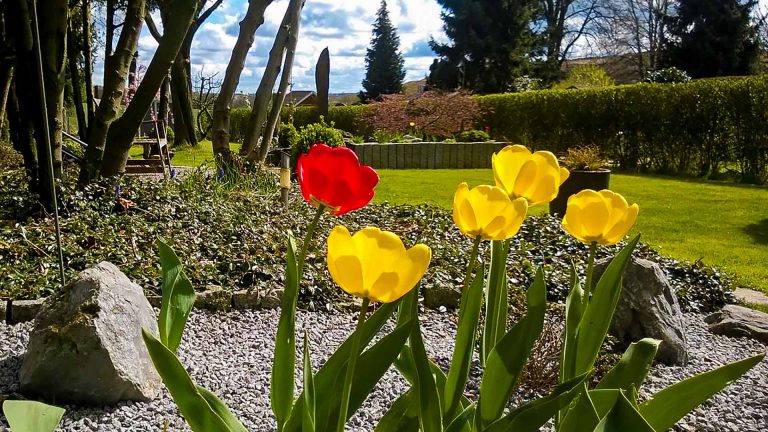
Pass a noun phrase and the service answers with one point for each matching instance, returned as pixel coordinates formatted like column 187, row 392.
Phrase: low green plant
column 315, row 133
column 287, row 136
column 383, row 137
column 584, row 158
column 474, row 135
column 170, row 135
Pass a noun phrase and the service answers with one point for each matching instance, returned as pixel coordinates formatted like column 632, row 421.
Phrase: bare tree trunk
column 183, row 117
column 85, row 17
column 263, row 97
column 123, row 130
column 253, row 19
column 6, row 76
column 285, row 81
column 116, row 68
column 77, row 89
column 162, row 109
column 22, row 138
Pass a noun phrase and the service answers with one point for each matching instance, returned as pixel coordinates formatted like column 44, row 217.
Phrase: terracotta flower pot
column 578, row 181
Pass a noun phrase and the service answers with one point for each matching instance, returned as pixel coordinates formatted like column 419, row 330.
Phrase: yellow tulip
column 603, row 217
column 374, row 264
column 534, row 176
column 488, row 212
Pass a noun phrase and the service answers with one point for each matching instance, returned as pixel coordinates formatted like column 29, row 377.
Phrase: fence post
column 285, row 177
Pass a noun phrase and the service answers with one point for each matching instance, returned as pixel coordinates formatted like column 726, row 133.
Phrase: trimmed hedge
column 695, row 128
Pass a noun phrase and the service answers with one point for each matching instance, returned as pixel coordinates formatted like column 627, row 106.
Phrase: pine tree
column 711, row 38
column 384, row 65
column 491, row 43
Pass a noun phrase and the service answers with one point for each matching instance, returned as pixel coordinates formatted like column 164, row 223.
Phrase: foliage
column 384, row 136
column 668, row 75
column 473, row 135
column 31, row 416
column 384, row 65
column 238, row 118
column 435, row 114
column 526, row 83
column 170, row 135
column 287, row 135
column 317, row 133
column 585, row 158
column 585, row 76
column 695, row 128
column 709, row 38
column 490, row 43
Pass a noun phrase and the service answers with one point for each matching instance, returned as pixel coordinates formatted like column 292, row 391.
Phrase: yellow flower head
column 603, row 217
column 412, row 124
column 488, row 212
column 374, row 264
column 534, row 176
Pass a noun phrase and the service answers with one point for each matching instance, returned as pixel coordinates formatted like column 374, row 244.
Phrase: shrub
column 585, row 76
column 473, row 135
column 238, row 121
column 435, row 114
column 667, row 76
column 694, row 128
column 287, row 135
column 169, row 135
column 351, row 118
column 317, row 133
column 586, row 158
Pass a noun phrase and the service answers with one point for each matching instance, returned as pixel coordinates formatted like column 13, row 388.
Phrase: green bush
column 238, row 121
column 287, row 135
column 352, row 118
column 585, row 76
column 667, row 76
column 695, row 128
column 170, row 136
column 315, row 133
column 473, row 136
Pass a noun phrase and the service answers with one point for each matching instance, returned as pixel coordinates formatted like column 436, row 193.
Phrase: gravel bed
column 231, row 355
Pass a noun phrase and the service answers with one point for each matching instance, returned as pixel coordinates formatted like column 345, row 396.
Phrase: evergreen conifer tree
column 711, row 38
column 384, row 65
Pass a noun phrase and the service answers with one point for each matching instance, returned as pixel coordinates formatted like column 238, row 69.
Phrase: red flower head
column 334, row 177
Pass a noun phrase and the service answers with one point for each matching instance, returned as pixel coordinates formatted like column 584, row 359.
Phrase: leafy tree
column 384, row 65
column 712, row 38
column 491, row 43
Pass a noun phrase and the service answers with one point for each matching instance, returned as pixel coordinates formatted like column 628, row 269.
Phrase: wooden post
column 285, row 176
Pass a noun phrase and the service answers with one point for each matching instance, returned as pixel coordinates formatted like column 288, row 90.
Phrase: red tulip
column 334, row 177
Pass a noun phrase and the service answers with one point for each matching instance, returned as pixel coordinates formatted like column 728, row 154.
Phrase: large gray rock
column 739, row 321
column 436, row 296
column 648, row 308
column 86, row 345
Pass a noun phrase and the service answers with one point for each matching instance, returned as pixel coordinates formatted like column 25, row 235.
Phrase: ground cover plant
column 717, row 224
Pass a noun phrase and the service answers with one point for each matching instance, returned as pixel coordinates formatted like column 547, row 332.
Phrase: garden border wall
column 427, row 155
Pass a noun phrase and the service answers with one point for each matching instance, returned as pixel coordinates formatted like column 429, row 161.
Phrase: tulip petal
column 507, row 164
column 564, row 174
column 385, row 286
column 378, row 251
column 617, row 205
column 411, row 269
column 349, row 275
column 539, row 186
column 617, row 233
column 463, row 215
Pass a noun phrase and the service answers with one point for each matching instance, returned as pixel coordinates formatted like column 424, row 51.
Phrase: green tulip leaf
column 631, row 370
column 221, row 409
column 531, row 416
column 430, row 414
column 464, row 345
column 284, row 363
column 178, row 298
column 193, row 406
column 623, row 417
column 463, row 421
column 671, row 404
column 574, row 310
column 402, row 416
column 603, row 400
column 496, row 307
column 581, row 416
column 599, row 311
column 508, row 358
column 308, row 420
column 327, row 377
column 31, row 416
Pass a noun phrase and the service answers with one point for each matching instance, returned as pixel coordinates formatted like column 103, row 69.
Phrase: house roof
column 297, row 97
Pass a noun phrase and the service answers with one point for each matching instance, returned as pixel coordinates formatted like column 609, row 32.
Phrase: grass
column 189, row 156
column 724, row 225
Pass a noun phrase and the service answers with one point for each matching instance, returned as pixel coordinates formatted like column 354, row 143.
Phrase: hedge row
column 696, row 128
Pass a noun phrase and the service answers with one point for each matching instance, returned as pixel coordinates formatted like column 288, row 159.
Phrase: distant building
column 301, row 98
column 622, row 68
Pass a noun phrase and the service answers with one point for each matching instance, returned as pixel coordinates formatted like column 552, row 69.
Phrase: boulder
column 440, row 295
column 648, row 308
column 86, row 346
column 739, row 321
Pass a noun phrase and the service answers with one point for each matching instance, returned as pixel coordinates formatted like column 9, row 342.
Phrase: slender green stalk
column 308, row 238
column 590, row 269
column 347, row 389
column 472, row 263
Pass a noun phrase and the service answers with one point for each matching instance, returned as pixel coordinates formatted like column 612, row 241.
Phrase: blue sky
column 344, row 26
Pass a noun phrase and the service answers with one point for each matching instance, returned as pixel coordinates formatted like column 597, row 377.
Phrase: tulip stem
column 472, row 263
column 590, row 268
column 308, row 238
column 347, row 389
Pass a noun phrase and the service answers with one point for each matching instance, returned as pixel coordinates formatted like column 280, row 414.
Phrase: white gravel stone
column 231, row 355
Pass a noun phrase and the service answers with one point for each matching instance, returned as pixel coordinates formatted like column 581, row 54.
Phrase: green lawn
column 724, row 225
column 189, row 156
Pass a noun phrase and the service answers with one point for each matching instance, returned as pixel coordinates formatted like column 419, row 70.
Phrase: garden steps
column 749, row 296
